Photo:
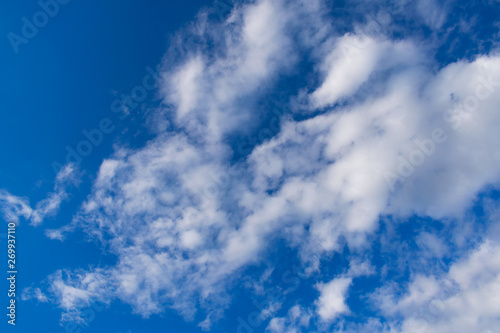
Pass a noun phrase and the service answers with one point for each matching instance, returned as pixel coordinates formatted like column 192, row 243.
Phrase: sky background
column 329, row 166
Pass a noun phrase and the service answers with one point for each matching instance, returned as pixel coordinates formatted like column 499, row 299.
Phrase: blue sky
column 277, row 166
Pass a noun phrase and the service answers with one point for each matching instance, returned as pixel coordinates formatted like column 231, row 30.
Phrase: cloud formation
column 377, row 130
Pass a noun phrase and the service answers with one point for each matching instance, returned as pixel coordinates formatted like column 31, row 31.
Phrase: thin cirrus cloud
column 383, row 132
column 14, row 207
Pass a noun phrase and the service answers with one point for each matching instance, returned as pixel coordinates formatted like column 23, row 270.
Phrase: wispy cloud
column 14, row 207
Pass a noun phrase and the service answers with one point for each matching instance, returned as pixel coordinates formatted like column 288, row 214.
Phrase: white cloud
column 360, row 268
column 74, row 290
column 14, row 207
column 332, row 300
column 297, row 319
column 354, row 59
column 34, row 293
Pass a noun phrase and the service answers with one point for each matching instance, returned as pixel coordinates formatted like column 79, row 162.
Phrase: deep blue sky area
column 64, row 79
